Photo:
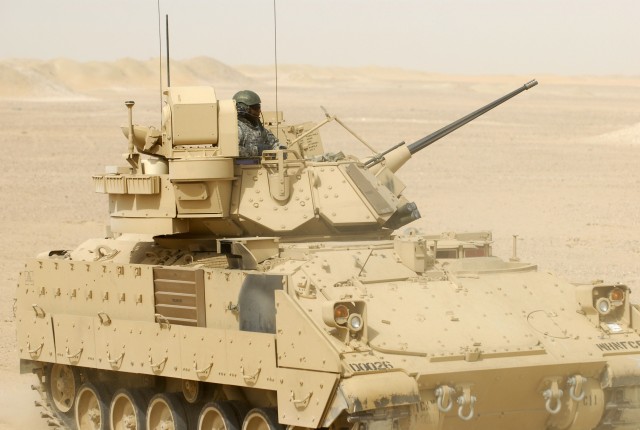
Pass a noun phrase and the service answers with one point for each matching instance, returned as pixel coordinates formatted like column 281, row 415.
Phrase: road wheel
column 262, row 419
column 165, row 412
column 62, row 384
column 127, row 411
column 92, row 408
column 218, row 416
column 192, row 391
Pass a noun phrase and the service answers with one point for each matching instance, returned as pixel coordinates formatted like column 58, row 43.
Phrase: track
column 96, row 406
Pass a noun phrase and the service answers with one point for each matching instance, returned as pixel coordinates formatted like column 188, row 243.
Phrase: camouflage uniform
column 254, row 138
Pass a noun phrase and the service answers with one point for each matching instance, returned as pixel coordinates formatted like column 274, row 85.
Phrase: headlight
column 603, row 305
column 348, row 316
column 355, row 322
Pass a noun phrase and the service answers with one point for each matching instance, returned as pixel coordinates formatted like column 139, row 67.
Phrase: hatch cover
column 547, row 323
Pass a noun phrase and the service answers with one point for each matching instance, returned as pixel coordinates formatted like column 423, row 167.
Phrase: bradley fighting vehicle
column 261, row 293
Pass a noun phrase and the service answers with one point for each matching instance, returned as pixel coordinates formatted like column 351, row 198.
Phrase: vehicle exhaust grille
column 179, row 295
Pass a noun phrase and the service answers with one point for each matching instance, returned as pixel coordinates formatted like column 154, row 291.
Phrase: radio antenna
column 275, row 57
column 168, row 70
column 160, row 57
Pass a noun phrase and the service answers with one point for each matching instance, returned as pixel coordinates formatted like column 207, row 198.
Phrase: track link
column 47, row 412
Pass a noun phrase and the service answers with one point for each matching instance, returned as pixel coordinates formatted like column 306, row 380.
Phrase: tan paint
column 278, row 281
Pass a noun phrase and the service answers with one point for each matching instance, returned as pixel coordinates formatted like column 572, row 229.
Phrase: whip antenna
column 275, row 58
column 168, row 72
column 160, row 57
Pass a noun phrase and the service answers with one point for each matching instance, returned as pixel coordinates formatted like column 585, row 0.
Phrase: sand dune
column 69, row 79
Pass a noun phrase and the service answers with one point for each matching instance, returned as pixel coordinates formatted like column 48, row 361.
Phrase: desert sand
column 557, row 165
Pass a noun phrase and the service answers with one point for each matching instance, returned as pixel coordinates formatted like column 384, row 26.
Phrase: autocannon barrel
column 436, row 135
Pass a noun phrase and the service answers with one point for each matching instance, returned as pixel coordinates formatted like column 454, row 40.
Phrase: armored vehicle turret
column 258, row 293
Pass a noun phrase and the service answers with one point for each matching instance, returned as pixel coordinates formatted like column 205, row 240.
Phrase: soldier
column 252, row 136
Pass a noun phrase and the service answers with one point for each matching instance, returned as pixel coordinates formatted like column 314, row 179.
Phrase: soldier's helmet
column 244, row 99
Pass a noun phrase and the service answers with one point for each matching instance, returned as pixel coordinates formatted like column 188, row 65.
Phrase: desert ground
column 559, row 165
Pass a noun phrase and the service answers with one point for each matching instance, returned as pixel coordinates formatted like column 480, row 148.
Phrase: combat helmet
column 244, row 99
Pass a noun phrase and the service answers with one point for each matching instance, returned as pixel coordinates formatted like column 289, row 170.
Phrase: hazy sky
column 574, row 37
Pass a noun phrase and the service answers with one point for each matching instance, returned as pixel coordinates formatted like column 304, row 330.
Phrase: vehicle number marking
column 370, row 366
column 619, row 346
